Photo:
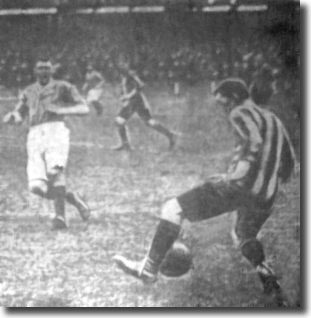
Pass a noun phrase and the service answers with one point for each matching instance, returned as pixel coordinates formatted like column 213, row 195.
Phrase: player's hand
column 240, row 171
column 12, row 118
column 8, row 118
column 219, row 177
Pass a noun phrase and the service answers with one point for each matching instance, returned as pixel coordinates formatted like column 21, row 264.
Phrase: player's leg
column 60, row 159
column 38, row 177
column 120, row 121
column 247, row 226
column 56, row 157
column 166, row 233
column 157, row 126
column 55, row 189
column 57, row 193
column 198, row 204
column 79, row 203
column 143, row 111
column 38, row 187
column 36, row 172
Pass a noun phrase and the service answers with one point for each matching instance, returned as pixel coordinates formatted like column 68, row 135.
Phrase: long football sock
column 162, row 130
column 123, row 134
column 59, row 201
column 165, row 236
column 253, row 251
column 71, row 199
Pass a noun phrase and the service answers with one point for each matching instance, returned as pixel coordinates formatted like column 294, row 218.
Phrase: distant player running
column 45, row 103
column 134, row 101
column 264, row 155
column 93, row 88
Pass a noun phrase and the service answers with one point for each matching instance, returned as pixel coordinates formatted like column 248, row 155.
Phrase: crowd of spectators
column 168, row 54
column 167, row 57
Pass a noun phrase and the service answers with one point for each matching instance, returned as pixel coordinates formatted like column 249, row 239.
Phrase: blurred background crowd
column 160, row 47
column 167, row 48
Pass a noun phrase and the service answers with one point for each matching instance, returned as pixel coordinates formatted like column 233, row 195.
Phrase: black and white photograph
column 150, row 154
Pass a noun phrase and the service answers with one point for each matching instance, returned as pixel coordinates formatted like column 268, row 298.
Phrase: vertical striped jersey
column 265, row 144
column 132, row 85
column 131, row 82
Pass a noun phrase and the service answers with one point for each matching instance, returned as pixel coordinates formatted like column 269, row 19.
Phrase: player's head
column 43, row 70
column 266, row 72
column 124, row 67
column 89, row 68
column 231, row 92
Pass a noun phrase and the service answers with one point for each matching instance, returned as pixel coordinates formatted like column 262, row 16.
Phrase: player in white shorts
column 93, row 87
column 44, row 104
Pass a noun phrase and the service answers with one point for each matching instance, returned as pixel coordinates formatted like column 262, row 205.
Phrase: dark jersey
column 131, row 82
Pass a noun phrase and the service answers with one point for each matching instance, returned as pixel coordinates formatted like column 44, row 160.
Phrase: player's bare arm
column 77, row 106
column 18, row 114
column 129, row 95
column 78, row 109
column 85, row 87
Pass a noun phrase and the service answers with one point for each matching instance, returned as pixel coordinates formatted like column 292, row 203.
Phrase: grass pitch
column 41, row 268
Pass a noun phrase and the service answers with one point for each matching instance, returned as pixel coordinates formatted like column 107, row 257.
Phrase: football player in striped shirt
column 263, row 156
column 45, row 103
column 134, row 101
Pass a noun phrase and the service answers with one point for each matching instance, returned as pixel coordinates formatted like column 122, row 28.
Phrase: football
column 177, row 262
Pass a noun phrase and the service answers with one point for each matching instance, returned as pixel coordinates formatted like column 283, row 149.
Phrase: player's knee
column 38, row 187
column 120, row 121
column 54, row 171
column 56, row 176
column 172, row 212
column 151, row 122
column 253, row 251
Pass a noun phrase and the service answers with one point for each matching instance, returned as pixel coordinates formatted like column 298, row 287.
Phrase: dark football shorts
column 215, row 198
column 135, row 106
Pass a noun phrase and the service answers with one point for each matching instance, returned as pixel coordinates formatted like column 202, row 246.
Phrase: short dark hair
column 233, row 88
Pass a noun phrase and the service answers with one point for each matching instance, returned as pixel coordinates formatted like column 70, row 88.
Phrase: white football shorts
column 47, row 148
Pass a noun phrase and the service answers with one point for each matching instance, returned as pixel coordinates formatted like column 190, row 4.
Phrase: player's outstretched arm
column 80, row 109
column 78, row 106
column 126, row 97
